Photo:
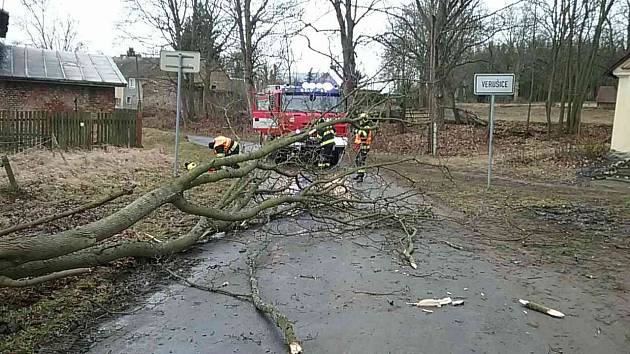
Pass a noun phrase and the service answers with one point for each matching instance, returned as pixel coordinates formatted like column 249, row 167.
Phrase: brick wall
column 55, row 97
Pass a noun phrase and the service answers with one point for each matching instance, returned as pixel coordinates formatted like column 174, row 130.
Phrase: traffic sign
column 180, row 62
column 494, row 84
column 171, row 60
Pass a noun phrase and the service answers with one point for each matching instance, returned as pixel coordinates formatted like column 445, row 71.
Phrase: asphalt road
column 321, row 281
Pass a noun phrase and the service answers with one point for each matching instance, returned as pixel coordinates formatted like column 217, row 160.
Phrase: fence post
column 4, row 161
column 138, row 128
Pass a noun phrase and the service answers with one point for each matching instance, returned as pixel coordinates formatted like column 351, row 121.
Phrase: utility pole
column 140, row 93
column 132, row 53
column 431, row 90
column 179, row 107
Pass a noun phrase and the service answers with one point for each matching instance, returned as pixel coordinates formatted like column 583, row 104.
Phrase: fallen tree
column 261, row 189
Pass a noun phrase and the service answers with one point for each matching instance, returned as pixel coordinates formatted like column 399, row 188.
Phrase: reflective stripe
column 234, row 146
column 220, row 155
column 327, row 142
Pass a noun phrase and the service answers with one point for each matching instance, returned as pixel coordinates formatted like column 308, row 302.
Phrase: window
column 311, row 103
column 128, row 100
column 132, row 82
column 262, row 104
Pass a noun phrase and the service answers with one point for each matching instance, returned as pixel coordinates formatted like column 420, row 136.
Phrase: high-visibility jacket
column 327, row 136
column 363, row 137
column 224, row 145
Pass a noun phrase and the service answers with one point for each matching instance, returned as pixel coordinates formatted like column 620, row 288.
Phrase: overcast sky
column 97, row 21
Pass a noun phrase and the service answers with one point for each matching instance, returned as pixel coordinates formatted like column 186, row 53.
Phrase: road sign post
column 180, row 62
column 493, row 85
column 177, row 115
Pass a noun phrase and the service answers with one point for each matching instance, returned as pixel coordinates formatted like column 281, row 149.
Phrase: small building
column 141, row 73
column 56, row 81
column 621, row 127
column 214, row 90
column 606, row 97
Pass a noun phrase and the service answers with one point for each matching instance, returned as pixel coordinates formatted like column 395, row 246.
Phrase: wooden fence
column 21, row 130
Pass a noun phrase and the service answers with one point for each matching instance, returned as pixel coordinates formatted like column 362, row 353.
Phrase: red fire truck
column 282, row 109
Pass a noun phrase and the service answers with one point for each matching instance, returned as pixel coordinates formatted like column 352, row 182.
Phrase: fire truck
column 283, row 109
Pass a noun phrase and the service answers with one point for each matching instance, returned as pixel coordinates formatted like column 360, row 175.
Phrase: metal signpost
column 180, row 62
column 493, row 85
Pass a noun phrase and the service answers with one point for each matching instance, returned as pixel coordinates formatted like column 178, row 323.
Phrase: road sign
column 180, row 62
column 494, row 84
column 170, row 61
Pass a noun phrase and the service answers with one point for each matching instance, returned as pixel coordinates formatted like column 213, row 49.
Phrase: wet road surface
column 320, row 282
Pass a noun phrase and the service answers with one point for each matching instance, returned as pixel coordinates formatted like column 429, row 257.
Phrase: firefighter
column 326, row 141
column 362, row 142
column 224, row 147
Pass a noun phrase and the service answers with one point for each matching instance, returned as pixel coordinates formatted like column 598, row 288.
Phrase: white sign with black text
column 494, row 84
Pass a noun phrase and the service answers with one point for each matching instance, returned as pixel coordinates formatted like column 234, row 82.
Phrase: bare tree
column 589, row 34
column 626, row 12
column 196, row 25
column 257, row 21
column 444, row 35
column 348, row 14
column 49, row 32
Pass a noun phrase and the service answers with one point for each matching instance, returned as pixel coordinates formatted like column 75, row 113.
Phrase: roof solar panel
column 35, row 63
column 19, row 68
column 72, row 71
column 89, row 71
column 53, row 67
column 48, row 65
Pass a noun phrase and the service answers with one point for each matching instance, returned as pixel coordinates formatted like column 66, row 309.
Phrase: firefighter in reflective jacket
column 224, row 147
column 362, row 142
column 326, row 140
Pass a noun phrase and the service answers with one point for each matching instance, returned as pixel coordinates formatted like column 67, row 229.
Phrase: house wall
column 621, row 126
column 16, row 95
column 127, row 98
column 159, row 97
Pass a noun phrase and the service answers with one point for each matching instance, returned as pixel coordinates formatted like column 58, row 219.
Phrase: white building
column 621, row 126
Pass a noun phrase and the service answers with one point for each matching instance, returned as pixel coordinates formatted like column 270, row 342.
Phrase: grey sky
column 97, row 29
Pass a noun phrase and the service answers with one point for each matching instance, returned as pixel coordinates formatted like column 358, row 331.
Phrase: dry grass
column 518, row 113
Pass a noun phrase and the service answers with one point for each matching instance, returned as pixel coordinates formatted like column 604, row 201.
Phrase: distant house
column 140, row 73
column 606, row 97
column 156, row 89
column 36, row 79
column 621, row 126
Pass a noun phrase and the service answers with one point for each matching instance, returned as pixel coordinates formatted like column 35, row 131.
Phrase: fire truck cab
column 283, row 109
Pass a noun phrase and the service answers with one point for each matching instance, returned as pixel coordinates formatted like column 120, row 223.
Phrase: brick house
column 36, row 79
